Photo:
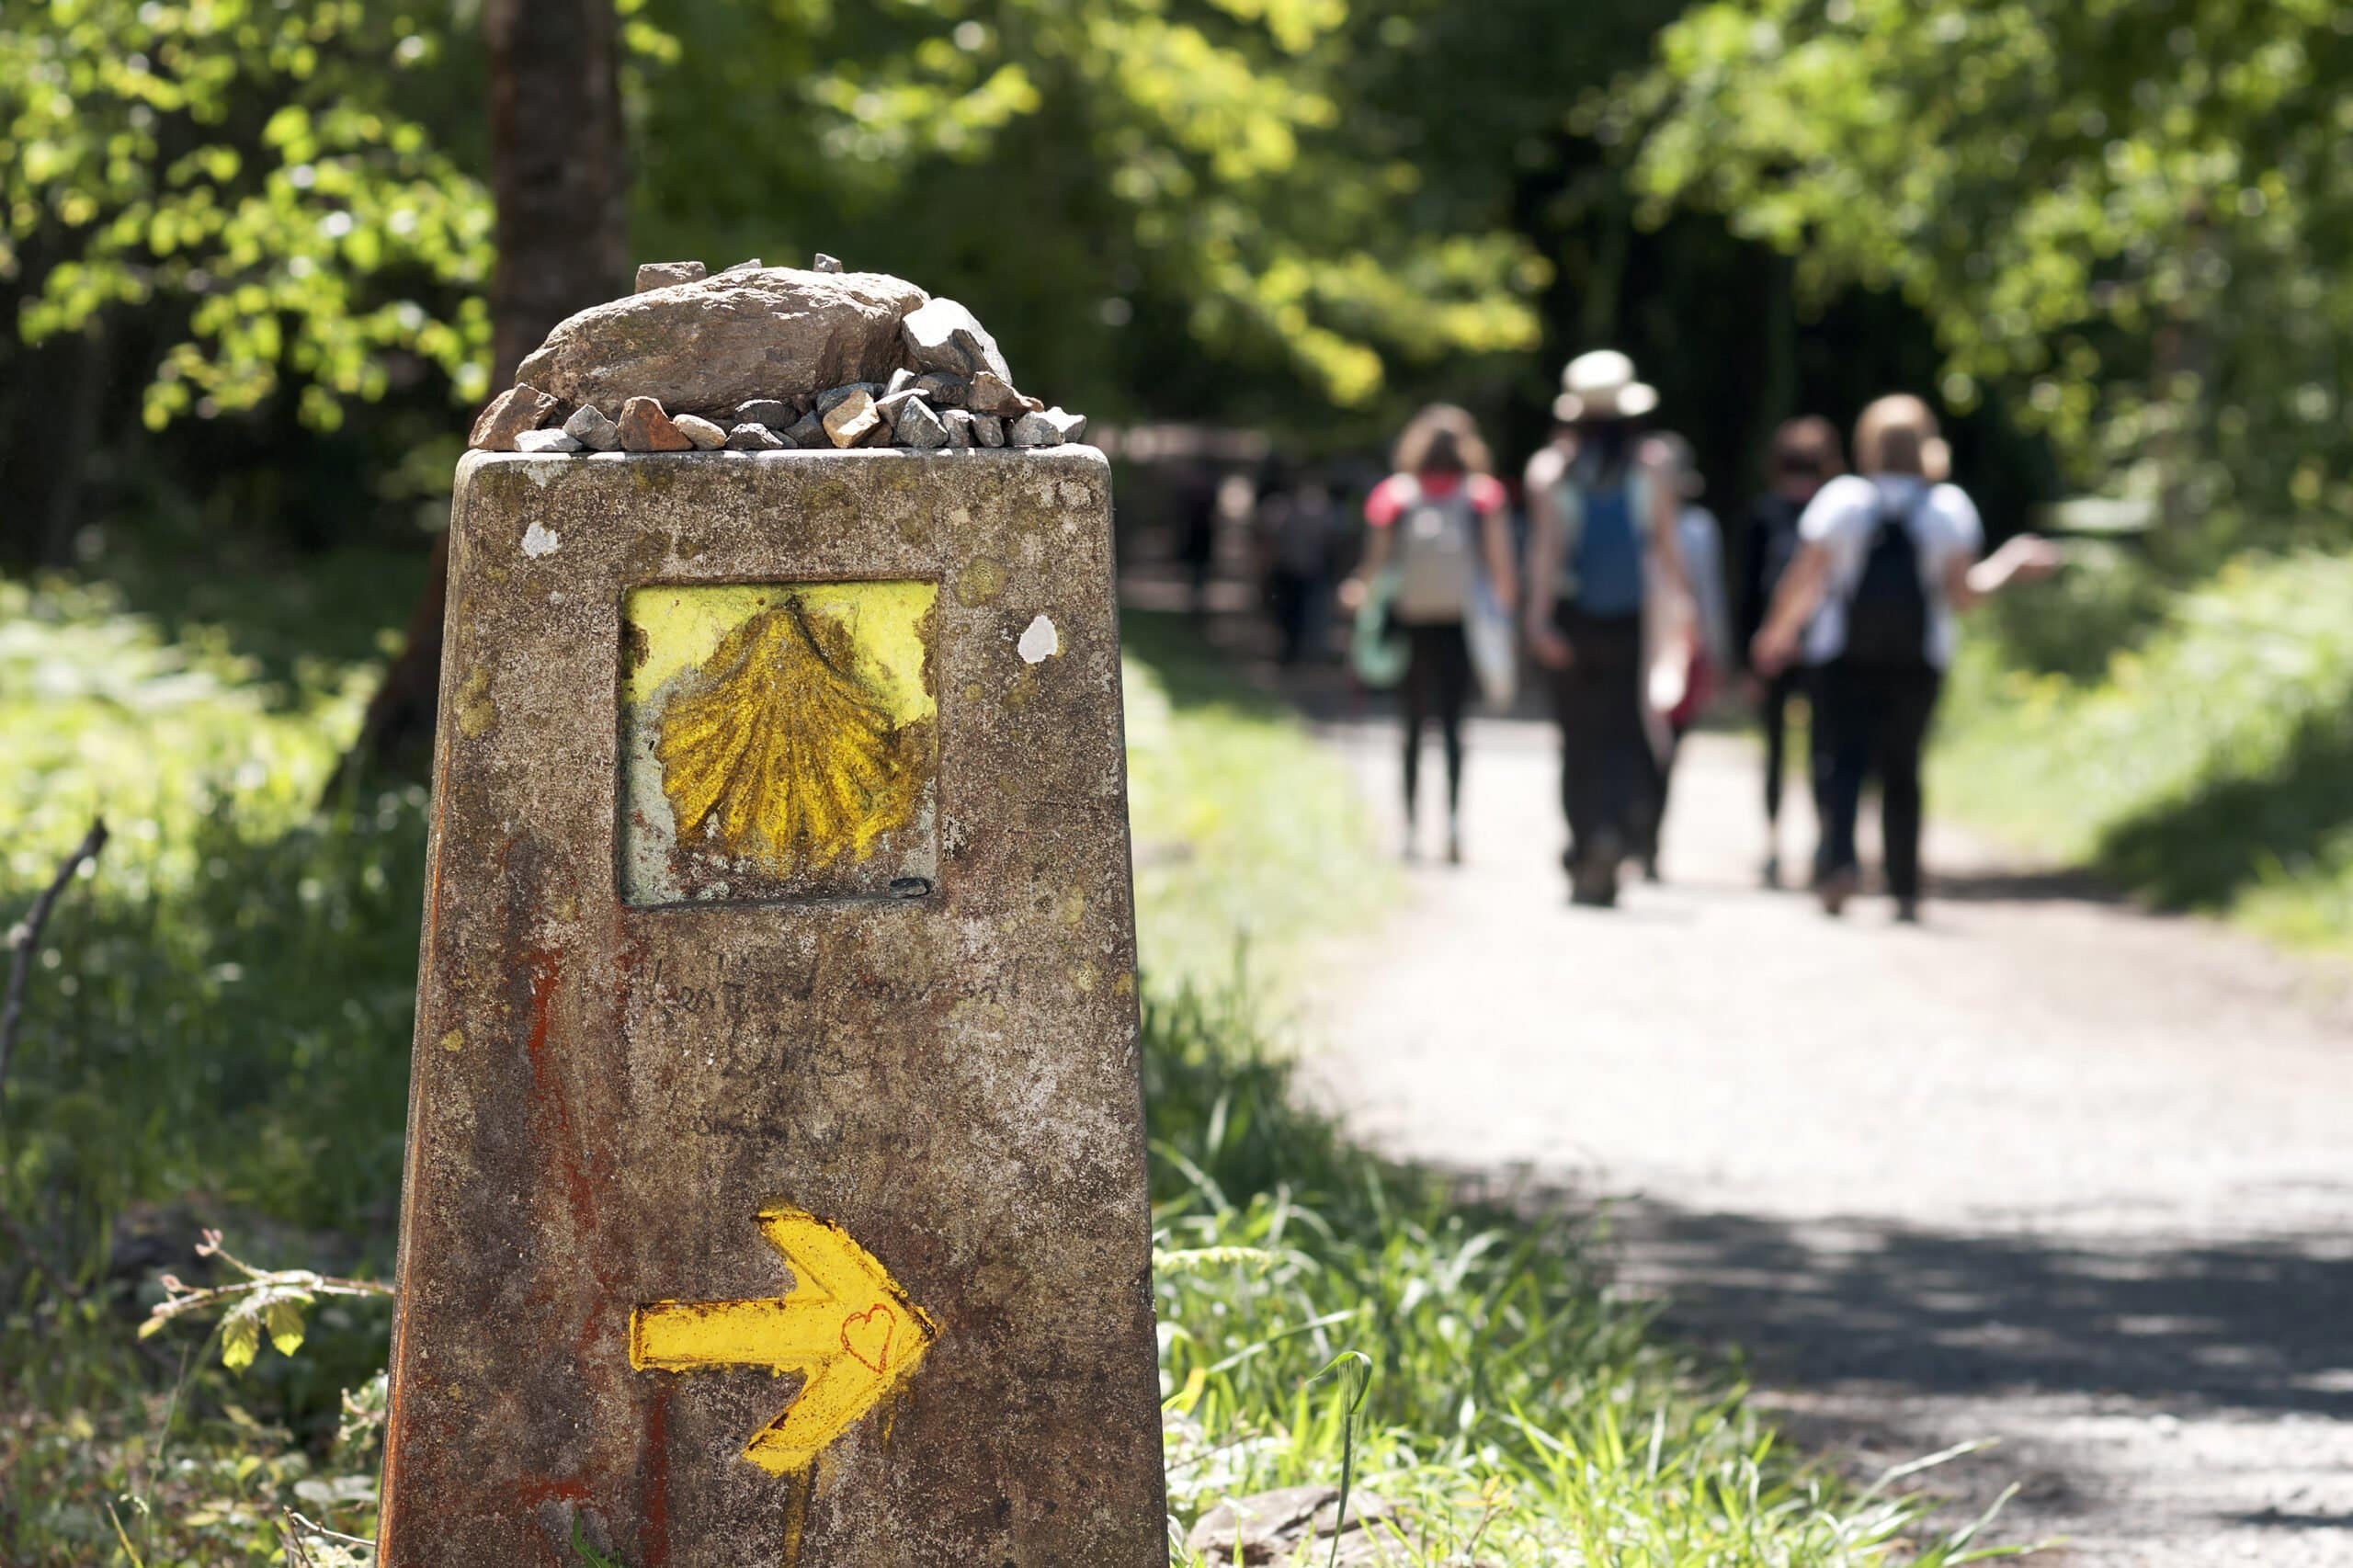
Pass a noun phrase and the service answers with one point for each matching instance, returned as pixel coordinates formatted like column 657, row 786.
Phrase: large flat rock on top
column 705, row 347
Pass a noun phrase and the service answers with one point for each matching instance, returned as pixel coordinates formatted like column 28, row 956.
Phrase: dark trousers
column 1296, row 600
column 1609, row 778
column 1871, row 724
column 1773, row 708
column 1438, row 685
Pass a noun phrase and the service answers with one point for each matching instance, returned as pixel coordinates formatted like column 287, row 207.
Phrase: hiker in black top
column 1805, row 458
column 1884, row 563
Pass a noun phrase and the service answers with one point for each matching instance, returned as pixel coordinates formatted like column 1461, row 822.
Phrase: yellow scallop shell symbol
column 782, row 752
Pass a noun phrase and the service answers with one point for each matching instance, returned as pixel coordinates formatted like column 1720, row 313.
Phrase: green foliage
column 1248, row 836
column 253, row 168
column 1116, row 185
column 2126, row 214
column 2202, row 759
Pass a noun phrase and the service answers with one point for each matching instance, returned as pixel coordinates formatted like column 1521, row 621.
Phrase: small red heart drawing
column 866, row 1336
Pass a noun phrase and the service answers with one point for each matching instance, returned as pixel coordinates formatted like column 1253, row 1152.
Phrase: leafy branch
column 266, row 1300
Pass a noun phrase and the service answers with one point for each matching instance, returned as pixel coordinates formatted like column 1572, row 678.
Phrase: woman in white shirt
column 1888, row 559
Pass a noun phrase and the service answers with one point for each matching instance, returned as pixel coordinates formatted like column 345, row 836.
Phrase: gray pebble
column 662, row 273
column 754, row 438
column 991, row 393
column 589, row 427
column 765, row 411
column 808, row 433
column 1050, row 428
column 546, row 441
column 989, row 428
column 944, row 389
column 706, row 436
column 959, row 426
column 825, row 263
column 919, row 426
column 901, row 379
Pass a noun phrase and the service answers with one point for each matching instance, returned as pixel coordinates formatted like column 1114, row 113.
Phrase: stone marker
column 775, row 1169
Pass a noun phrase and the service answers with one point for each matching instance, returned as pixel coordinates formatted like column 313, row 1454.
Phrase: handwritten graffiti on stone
column 780, row 741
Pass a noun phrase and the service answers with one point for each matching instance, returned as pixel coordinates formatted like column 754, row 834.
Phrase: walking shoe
column 1835, row 888
column 1908, row 912
column 1772, row 871
column 1453, row 842
column 1594, row 881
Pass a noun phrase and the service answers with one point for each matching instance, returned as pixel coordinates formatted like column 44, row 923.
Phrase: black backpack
column 1887, row 615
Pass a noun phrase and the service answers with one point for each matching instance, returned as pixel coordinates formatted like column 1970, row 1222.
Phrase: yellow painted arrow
column 845, row 1325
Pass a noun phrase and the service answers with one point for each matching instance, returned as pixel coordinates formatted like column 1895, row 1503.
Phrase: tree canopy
column 2122, row 214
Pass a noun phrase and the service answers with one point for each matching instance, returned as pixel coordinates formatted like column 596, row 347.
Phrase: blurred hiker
column 1437, row 552
column 1886, row 561
column 1299, row 530
column 1708, row 659
column 1805, row 458
column 1607, row 612
column 1197, row 520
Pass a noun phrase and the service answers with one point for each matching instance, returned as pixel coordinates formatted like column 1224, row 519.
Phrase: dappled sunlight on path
column 2046, row 1169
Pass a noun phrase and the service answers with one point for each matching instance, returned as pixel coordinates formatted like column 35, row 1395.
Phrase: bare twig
column 297, row 1554
column 314, row 1528
column 179, row 1298
column 26, row 937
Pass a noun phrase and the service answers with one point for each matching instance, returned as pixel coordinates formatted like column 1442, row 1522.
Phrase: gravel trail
column 2048, row 1170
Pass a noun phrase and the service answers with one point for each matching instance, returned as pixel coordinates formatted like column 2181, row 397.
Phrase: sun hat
column 1601, row 386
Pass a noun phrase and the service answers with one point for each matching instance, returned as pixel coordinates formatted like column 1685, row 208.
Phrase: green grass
column 2195, row 745
column 220, row 1037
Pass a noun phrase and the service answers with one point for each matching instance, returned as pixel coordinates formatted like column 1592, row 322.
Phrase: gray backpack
column 1436, row 558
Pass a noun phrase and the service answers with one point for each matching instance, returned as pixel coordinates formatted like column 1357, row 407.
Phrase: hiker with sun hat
column 1607, row 612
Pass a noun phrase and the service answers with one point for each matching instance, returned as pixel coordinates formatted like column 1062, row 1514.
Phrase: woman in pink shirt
column 1434, row 529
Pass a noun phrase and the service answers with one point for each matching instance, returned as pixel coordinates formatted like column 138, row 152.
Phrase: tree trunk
column 558, row 173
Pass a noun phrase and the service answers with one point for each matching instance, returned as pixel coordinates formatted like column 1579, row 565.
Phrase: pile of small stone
column 921, row 373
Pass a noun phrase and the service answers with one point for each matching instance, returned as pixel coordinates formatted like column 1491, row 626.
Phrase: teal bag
column 1377, row 650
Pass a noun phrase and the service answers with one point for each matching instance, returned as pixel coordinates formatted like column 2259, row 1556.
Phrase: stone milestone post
column 776, row 1173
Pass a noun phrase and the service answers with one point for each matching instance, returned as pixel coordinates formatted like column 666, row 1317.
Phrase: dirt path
column 2047, row 1170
